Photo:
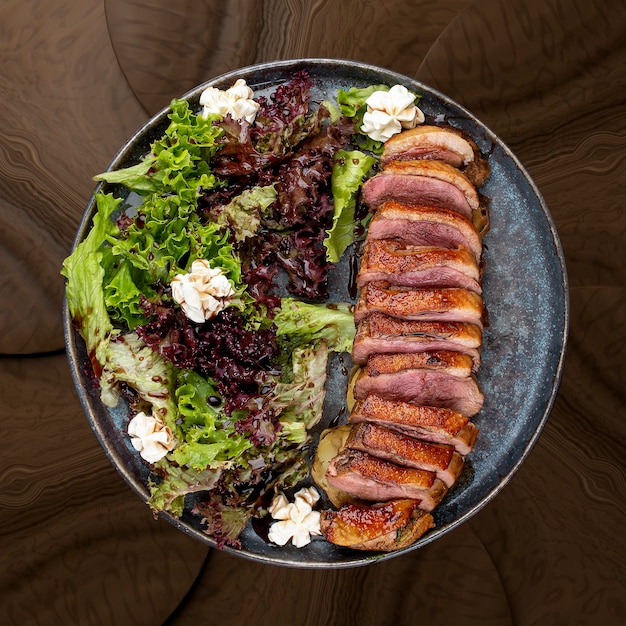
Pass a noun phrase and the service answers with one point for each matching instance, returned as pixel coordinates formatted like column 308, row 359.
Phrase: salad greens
column 240, row 392
column 84, row 270
column 243, row 213
column 349, row 170
column 178, row 162
column 352, row 104
column 299, row 323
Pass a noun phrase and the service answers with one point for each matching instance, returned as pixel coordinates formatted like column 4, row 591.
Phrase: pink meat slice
column 429, row 423
column 423, row 386
column 388, row 260
column 422, row 225
column 381, row 334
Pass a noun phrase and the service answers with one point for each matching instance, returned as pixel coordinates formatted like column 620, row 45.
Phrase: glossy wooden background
column 77, row 77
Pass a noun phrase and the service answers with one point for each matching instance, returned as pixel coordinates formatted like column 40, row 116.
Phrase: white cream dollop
column 150, row 437
column 203, row 292
column 236, row 101
column 298, row 520
column 388, row 112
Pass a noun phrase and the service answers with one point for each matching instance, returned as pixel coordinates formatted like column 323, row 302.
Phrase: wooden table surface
column 77, row 78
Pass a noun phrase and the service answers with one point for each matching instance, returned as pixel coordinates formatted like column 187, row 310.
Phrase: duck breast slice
column 382, row 334
column 422, row 225
column 387, row 260
column 436, row 424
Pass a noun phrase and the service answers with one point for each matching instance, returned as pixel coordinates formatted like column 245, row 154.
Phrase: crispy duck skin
column 436, row 304
column 448, row 361
column 478, row 169
column 436, row 424
column 431, row 143
column 382, row 334
column 443, row 143
column 414, row 189
column 440, row 171
column 385, row 527
column 370, row 479
column 426, row 182
column 387, row 260
column 424, row 225
column 423, row 386
column 402, row 449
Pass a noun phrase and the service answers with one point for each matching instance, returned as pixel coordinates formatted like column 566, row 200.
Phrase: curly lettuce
column 300, row 324
column 210, row 438
column 178, row 162
column 151, row 251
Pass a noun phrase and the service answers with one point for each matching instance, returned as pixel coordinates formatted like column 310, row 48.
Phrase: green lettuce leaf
column 84, row 272
column 123, row 296
column 352, row 102
column 127, row 359
column 349, row 171
column 210, row 439
column 179, row 161
column 134, row 177
column 303, row 398
column 169, row 493
column 243, row 214
column 300, row 323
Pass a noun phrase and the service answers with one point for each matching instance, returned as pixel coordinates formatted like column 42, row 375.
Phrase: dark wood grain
column 454, row 581
column 66, row 110
column 78, row 546
column 164, row 53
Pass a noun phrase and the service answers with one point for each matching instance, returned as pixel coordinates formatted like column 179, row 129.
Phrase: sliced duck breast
column 442, row 143
column 388, row 260
column 431, row 183
column 438, row 170
column 431, row 143
column 407, row 451
column 402, row 187
column 447, row 304
column 370, row 479
column 423, row 386
column 385, row 526
column 381, row 334
column 436, row 424
column 421, row 225
column 448, row 361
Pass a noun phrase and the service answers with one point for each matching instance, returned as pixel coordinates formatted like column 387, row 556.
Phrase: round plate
column 525, row 292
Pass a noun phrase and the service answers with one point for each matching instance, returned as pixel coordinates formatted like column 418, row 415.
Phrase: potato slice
column 331, row 442
column 354, row 374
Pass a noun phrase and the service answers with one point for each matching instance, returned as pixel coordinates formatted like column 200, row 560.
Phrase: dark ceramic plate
column 525, row 291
